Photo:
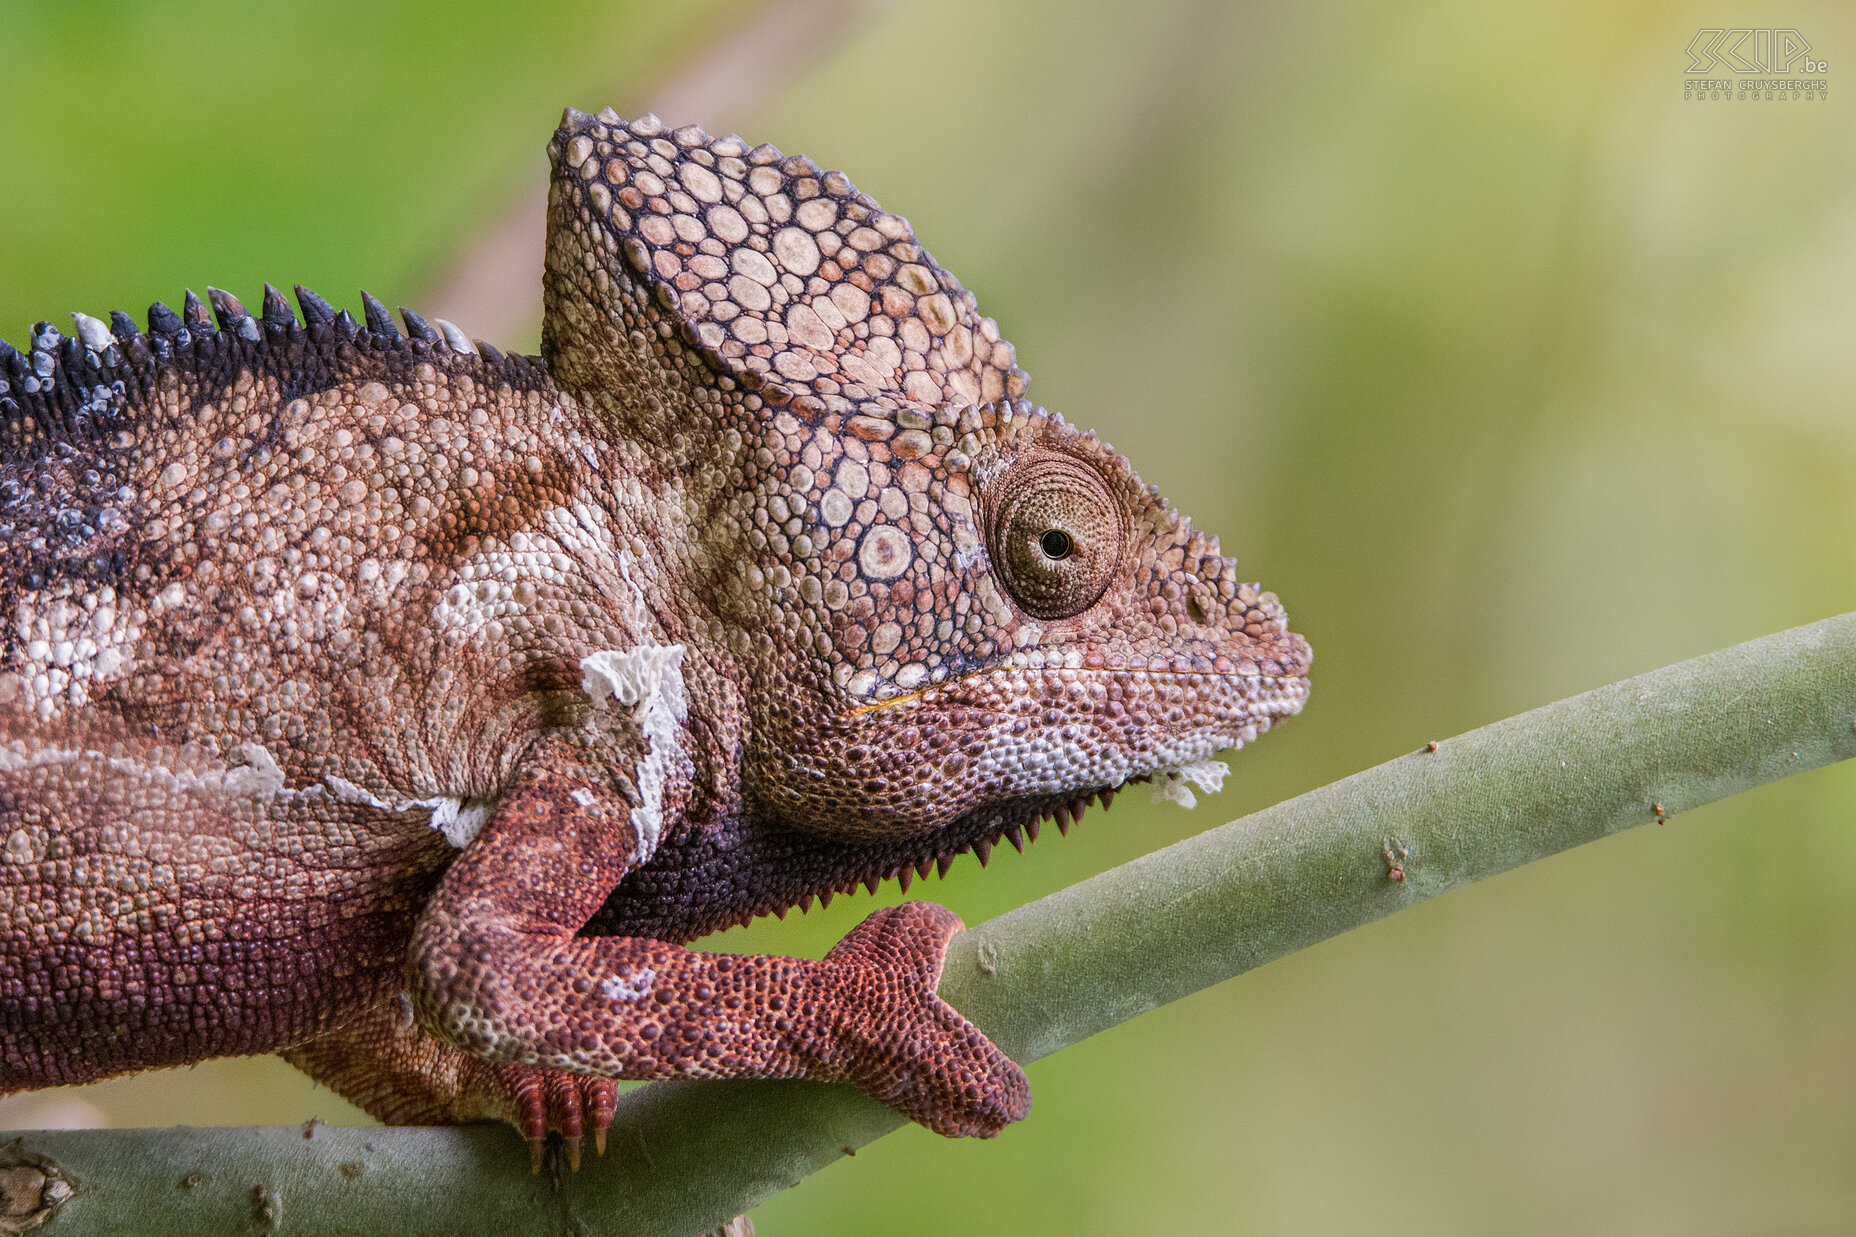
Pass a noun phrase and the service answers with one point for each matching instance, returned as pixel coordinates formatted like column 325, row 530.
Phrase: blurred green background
column 1511, row 370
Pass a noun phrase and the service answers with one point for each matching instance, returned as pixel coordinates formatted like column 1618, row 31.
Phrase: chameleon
column 374, row 698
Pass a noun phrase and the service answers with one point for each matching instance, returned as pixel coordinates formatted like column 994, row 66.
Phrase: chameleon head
column 947, row 608
column 1003, row 623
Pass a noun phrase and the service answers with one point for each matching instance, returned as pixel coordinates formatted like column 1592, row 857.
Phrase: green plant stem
column 686, row 1156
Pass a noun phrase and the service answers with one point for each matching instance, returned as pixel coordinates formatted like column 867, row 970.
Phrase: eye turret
column 1056, row 535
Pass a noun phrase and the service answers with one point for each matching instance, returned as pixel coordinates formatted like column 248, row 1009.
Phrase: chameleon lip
column 979, row 676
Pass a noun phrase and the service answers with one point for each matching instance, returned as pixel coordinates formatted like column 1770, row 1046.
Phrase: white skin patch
column 1171, row 784
column 72, row 643
column 259, row 777
column 649, row 679
column 459, row 820
column 496, row 587
column 630, row 988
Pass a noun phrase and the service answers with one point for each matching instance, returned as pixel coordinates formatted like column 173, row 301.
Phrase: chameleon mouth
column 1019, row 821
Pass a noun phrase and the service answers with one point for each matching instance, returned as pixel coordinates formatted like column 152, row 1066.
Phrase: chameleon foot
column 903, row 1044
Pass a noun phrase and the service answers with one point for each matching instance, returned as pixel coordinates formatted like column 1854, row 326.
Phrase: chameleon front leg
column 496, row 969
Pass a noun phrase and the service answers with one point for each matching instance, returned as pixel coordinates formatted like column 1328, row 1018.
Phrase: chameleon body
column 377, row 699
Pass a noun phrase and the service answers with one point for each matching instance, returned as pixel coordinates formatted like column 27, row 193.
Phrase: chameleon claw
column 573, row 1153
column 599, row 1141
column 535, row 1147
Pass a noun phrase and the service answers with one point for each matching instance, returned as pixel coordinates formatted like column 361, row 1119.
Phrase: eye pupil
column 1056, row 543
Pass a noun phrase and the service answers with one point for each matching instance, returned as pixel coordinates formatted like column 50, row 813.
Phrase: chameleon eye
column 1055, row 535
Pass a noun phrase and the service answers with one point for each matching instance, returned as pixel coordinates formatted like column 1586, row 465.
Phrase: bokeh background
column 1510, row 369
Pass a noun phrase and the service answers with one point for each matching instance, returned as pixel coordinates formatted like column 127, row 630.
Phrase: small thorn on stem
column 1431, row 746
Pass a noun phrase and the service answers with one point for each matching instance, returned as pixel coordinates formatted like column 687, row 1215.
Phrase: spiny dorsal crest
column 72, row 387
column 782, row 276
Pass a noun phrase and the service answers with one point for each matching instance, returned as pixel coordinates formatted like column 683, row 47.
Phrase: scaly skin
column 402, row 707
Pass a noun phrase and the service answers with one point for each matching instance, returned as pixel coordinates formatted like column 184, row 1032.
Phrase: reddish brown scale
column 429, row 699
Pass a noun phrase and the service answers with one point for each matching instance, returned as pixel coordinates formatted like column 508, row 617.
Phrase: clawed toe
column 540, row 1102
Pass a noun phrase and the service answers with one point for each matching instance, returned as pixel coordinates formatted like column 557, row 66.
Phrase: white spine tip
column 458, row 340
column 96, row 335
